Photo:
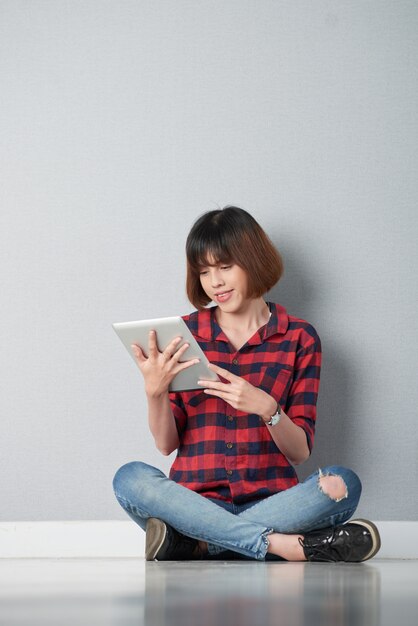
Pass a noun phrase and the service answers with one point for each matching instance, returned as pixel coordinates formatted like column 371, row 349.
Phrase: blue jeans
column 144, row 492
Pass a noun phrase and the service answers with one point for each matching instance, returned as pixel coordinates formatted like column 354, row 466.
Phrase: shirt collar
column 209, row 329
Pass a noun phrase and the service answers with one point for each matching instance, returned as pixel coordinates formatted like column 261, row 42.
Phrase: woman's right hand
column 160, row 368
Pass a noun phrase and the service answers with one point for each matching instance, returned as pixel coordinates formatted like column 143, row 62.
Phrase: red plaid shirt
column 228, row 454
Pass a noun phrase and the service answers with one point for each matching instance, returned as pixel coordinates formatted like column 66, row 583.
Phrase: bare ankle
column 286, row 546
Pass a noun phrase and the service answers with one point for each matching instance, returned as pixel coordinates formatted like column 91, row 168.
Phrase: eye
column 203, row 272
column 226, row 267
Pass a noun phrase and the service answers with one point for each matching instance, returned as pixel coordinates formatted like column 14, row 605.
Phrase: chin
column 230, row 307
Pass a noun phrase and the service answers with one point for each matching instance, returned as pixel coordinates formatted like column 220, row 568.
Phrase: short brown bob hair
column 231, row 235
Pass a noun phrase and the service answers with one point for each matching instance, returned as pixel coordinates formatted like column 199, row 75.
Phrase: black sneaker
column 356, row 541
column 164, row 543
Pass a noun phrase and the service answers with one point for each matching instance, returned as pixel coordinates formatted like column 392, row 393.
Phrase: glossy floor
column 128, row 592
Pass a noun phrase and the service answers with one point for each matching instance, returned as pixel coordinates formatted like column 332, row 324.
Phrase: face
column 225, row 284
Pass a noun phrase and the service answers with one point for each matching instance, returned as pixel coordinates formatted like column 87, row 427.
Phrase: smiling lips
column 223, row 296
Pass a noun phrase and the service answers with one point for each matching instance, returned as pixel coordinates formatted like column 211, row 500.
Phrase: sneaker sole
column 155, row 535
column 374, row 535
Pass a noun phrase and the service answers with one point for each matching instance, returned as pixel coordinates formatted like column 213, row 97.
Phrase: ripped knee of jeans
column 332, row 486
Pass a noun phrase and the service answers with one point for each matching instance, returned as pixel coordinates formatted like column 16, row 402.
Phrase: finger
column 185, row 364
column 138, row 354
column 213, row 384
column 222, row 372
column 176, row 356
column 152, row 343
column 171, row 349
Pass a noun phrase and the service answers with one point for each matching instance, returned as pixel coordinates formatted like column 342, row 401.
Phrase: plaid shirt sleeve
column 303, row 392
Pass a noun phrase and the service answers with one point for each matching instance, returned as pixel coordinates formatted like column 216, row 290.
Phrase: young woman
column 233, row 491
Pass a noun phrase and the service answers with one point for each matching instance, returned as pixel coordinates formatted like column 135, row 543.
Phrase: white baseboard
column 108, row 539
column 71, row 539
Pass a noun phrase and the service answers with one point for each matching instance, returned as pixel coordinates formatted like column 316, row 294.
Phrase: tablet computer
column 167, row 328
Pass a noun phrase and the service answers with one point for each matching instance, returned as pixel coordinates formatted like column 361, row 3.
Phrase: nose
column 216, row 277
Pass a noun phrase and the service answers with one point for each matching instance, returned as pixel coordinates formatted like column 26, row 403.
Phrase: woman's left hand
column 239, row 393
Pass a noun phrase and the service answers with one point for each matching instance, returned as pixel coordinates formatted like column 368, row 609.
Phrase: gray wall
column 121, row 122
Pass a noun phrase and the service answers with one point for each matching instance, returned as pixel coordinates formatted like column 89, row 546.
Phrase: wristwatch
column 275, row 419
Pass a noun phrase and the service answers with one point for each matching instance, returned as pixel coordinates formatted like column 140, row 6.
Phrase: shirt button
column 229, row 472
column 229, row 445
column 230, row 418
column 235, row 361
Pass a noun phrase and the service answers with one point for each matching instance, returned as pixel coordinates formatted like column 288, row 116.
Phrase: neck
column 251, row 316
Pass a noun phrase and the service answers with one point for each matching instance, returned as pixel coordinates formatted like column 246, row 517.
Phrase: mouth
column 223, row 296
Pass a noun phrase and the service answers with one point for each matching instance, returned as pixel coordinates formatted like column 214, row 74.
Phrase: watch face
column 275, row 419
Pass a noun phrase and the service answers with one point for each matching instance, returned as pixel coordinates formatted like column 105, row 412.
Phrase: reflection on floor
column 131, row 592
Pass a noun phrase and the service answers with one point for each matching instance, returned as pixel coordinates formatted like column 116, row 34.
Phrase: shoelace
column 320, row 551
